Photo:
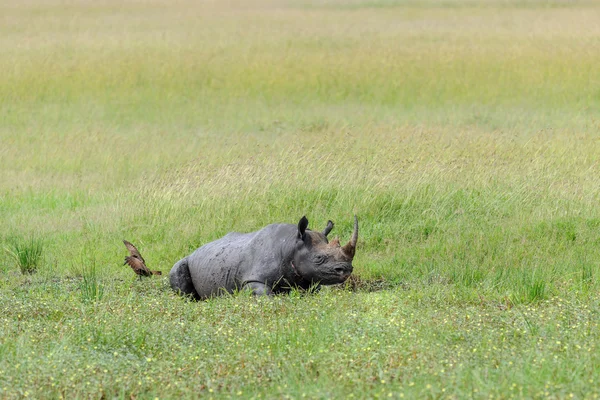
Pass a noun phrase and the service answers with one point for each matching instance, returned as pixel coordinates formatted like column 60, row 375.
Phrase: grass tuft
column 27, row 254
column 533, row 288
column 90, row 286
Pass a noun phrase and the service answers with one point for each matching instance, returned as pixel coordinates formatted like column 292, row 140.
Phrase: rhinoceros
column 272, row 260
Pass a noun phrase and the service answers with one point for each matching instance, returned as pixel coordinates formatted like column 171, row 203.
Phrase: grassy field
column 464, row 134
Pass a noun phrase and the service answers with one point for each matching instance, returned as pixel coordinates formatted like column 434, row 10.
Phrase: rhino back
column 216, row 266
column 227, row 263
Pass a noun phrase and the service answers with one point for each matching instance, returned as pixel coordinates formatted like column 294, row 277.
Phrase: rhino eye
column 320, row 259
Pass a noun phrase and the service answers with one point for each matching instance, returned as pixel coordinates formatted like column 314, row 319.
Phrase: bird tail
column 156, row 272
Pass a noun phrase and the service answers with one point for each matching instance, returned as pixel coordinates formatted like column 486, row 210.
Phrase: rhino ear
column 328, row 228
column 302, row 225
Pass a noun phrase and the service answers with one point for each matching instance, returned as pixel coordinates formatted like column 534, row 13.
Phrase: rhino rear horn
column 302, row 225
column 328, row 228
column 350, row 248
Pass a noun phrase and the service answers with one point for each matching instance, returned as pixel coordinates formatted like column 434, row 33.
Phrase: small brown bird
column 136, row 262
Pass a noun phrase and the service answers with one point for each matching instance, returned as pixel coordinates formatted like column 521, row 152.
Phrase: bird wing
column 138, row 266
column 134, row 252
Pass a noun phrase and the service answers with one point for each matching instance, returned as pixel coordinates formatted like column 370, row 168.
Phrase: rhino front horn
column 350, row 248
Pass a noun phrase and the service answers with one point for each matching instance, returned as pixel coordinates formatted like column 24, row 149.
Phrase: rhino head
column 317, row 260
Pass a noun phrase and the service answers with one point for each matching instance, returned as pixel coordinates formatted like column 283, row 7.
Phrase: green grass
column 26, row 254
column 92, row 289
column 465, row 136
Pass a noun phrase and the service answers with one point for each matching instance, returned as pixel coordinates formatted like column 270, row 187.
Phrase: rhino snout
column 342, row 270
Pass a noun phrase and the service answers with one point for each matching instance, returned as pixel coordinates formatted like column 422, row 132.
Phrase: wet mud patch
column 357, row 284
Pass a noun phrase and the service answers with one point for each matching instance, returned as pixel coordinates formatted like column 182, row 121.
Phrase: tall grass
column 27, row 254
column 91, row 286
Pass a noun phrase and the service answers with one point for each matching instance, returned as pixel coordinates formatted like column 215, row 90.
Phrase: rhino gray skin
column 272, row 260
